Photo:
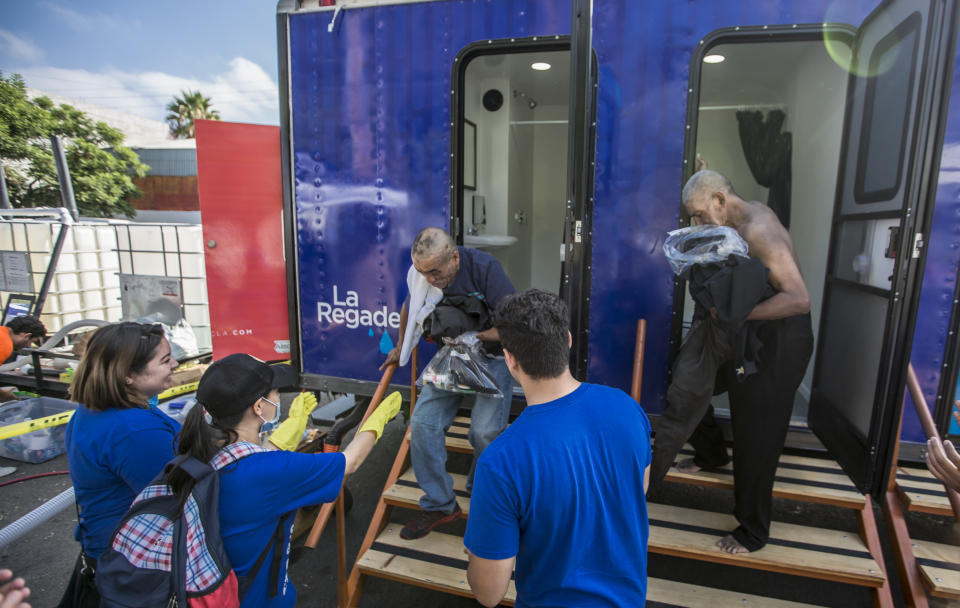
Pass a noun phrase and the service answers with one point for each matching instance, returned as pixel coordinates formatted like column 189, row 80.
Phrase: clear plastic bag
column 460, row 367
column 702, row 245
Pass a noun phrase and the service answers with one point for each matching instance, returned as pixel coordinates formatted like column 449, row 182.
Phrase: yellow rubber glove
column 384, row 413
column 288, row 434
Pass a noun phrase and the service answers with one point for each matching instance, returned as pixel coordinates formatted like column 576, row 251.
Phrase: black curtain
column 768, row 150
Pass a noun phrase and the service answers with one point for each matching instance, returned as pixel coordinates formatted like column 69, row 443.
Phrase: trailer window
column 889, row 94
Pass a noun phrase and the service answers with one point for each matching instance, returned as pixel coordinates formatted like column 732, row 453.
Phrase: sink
column 488, row 241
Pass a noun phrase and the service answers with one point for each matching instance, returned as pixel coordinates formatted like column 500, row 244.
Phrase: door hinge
column 917, row 244
column 578, row 231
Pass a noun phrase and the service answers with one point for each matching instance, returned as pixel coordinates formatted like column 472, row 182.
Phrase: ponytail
column 202, row 441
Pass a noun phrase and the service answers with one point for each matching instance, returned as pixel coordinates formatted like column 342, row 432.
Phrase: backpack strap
column 227, row 456
column 276, row 542
column 234, row 452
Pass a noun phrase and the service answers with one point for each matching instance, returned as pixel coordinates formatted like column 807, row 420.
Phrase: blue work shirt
column 562, row 490
column 255, row 493
column 113, row 455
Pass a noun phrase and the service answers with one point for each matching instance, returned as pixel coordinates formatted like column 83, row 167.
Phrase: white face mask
column 269, row 425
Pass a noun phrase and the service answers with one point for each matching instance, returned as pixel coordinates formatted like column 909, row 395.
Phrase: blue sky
column 136, row 55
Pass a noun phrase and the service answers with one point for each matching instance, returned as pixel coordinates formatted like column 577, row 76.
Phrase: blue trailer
column 561, row 146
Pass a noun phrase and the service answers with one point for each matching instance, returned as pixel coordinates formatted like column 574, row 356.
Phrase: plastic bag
column 460, row 367
column 705, row 244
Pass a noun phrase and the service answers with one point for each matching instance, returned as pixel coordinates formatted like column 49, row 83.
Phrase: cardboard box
column 189, row 374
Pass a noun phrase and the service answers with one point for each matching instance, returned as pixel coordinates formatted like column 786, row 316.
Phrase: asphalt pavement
column 45, row 556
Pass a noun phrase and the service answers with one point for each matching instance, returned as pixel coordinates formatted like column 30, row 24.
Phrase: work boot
column 426, row 521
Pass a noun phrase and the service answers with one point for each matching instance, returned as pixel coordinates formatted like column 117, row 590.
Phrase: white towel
column 423, row 299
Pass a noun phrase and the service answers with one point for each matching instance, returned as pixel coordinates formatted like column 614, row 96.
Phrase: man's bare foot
column 729, row 544
column 687, row 466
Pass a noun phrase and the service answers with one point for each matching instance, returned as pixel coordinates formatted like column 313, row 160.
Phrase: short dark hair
column 114, row 352
column 27, row 324
column 534, row 325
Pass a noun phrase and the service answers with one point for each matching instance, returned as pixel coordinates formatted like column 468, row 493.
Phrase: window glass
column 889, row 95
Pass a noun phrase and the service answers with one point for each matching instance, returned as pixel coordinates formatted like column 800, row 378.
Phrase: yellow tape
column 173, row 391
column 22, row 428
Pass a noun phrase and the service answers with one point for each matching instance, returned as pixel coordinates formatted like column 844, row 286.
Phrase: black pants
column 704, row 351
column 760, row 408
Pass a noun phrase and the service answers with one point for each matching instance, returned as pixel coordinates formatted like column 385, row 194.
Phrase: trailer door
column 578, row 216
column 873, row 269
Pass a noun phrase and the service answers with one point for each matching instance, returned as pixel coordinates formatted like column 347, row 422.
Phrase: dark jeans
column 760, row 408
column 704, row 350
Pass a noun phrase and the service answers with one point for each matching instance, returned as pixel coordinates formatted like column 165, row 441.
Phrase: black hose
column 343, row 426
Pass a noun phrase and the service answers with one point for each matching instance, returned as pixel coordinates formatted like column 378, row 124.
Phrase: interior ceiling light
column 713, row 58
column 540, row 65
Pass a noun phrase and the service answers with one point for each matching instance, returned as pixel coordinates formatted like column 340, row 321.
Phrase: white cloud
column 17, row 49
column 242, row 92
column 84, row 22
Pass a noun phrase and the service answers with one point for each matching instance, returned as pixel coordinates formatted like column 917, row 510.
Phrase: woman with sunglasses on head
column 260, row 492
column 117, row 440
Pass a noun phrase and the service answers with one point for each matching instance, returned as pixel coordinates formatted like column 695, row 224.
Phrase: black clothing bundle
column 761, row 363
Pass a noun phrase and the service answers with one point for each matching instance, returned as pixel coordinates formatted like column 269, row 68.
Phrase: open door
column 522, row 143
column 873, row 270
column 578, row 215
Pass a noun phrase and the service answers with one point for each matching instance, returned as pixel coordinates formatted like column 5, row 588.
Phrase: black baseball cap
column 235, row 382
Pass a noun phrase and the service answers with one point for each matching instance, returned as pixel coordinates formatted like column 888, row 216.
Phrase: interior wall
column 549, row 195
column 493, row 151
column 718, row 139
column 815, row 118
column 516, row 257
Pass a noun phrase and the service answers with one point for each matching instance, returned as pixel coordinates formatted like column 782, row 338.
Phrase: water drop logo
column 386, row 344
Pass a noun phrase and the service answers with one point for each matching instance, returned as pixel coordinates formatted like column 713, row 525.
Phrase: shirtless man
column 760, row 405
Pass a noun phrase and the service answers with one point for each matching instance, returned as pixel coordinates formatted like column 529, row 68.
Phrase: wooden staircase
column 925, row 566
column 438, row 562
column 792, row 549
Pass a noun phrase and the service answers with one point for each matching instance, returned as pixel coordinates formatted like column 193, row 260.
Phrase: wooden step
column 798, row 478
column 940, row 566
column 457, row 435
column 406, row 493
column 792, row 549
column 921, row 492
column 437, row 561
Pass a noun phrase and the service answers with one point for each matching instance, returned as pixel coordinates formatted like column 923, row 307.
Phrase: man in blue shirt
column 473, row 284
column 560, row 494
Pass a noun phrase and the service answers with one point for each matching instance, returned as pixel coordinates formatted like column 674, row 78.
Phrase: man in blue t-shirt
column 560, row 494
column 473, row 284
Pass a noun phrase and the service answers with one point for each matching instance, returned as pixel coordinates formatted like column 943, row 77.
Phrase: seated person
column 19, row 332
column 560, row 494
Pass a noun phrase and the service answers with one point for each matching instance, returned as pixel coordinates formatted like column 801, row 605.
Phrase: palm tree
column 190, row 106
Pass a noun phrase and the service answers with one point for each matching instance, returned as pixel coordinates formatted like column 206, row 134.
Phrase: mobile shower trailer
column 557, row 134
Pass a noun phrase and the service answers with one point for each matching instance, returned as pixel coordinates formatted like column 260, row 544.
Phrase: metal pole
column 63, row 175
column 51, row 270
column 4, row 196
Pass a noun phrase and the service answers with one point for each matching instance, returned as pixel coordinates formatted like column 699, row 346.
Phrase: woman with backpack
column 261, row 489
column 117, row 440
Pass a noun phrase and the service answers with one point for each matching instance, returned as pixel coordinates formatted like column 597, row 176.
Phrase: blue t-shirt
column 562, row 490
column 113, row 455
column 255, row 493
